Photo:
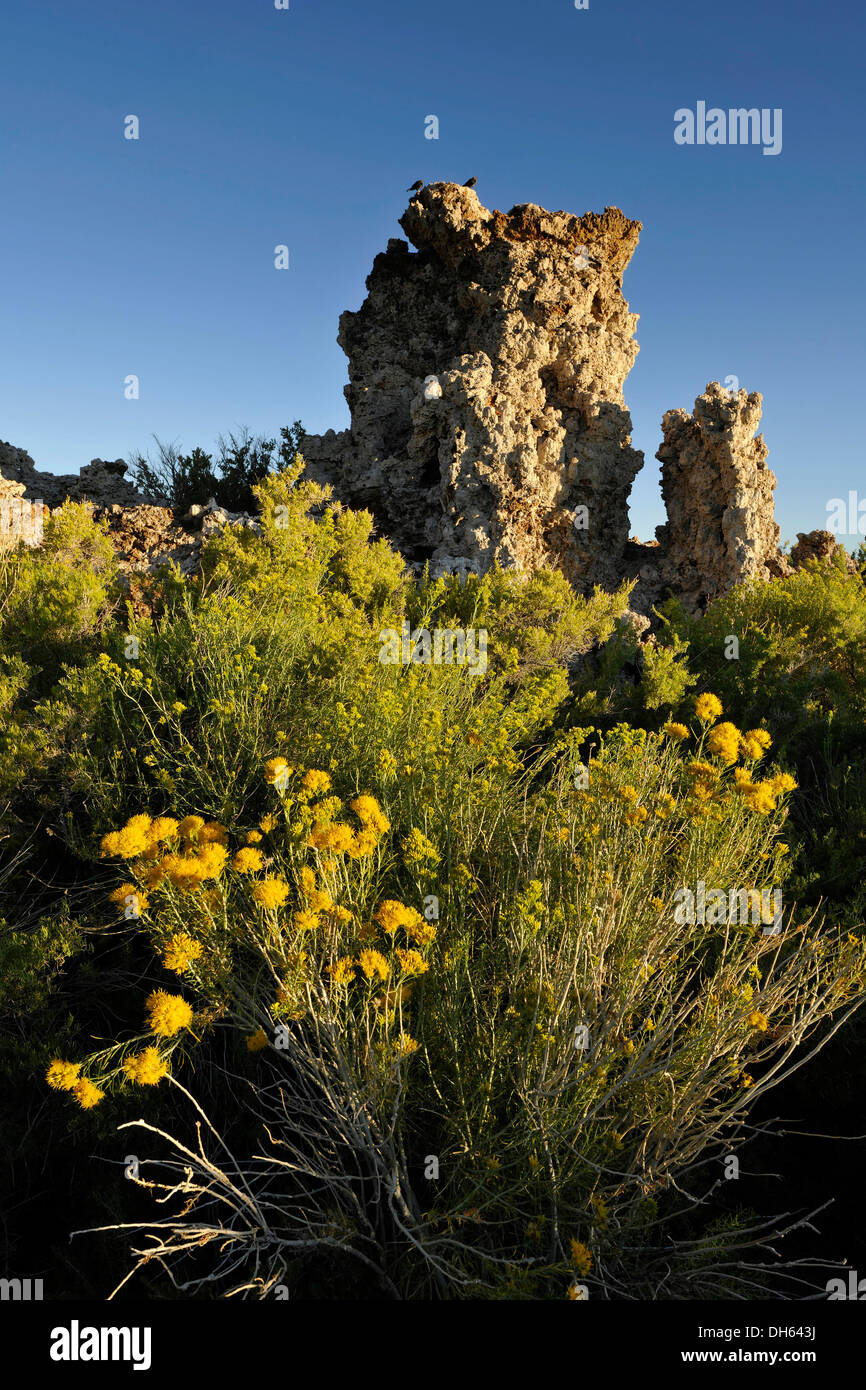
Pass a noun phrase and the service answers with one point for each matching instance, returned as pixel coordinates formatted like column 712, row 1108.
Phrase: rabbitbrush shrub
column 477, row 1050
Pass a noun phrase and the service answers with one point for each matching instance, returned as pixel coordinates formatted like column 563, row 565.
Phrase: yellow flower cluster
column 167, row 1013
column 758, row 1021
column 370, row 814
column 130, row 891
column 247, row 861
column 271, row 893
column 708, row 708
column 147, row 1068
column 342, row 839
column 581, row 1257
column 180, row 952
column 392, row 915
column 762, row 796
column 342, row 971
column 62, row 1076
column 315, row 782
column 87, row 1094
column 412, row 962
column 257, row 1041
column 373, row 963
column 676, row 731
column 724, row 741
column 419, row 852
column 202, row 856
column 277, row 773
column 65, row 1076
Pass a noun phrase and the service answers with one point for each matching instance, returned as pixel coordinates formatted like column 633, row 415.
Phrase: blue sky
column 304, row 127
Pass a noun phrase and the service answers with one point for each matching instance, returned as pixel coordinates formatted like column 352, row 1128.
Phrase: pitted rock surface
column 485, row 385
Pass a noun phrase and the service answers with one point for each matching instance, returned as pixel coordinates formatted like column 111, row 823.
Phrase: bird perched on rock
column 470, row 183
column 416, row 187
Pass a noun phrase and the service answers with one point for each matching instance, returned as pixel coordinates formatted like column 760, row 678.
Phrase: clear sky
column 304, row 126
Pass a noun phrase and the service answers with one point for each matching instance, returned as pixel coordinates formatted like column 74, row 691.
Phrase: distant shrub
column 241, row 462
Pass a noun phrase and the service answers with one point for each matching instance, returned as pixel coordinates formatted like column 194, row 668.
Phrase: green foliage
column 258, row 701
column 55, row 598
column 242, row 461
column 666, row 677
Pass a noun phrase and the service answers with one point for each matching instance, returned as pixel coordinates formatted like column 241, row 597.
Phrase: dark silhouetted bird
column 470, row 183
column 416, row 187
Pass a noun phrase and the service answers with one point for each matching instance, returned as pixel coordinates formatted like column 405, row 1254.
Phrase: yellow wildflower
column 163, row 828
column 406, row 1045
column 190, row 826
column 374, row 963
column 341, row 971
column 167, row 1013
column 781, row 783
column 412, row 962
column 363, row 843
column 213, row 834
column 129, row 890
column 87, row 1094
column 305, row 921
column 419, row 852
column 316, row 781
column 758, row 1021
column 755, row 743
column 760, row 797
column 181, row 951
column 277, row 770
column 62, row 1076
column 339, row 838
column 256, row 1041
column 708, row 708
column 580, row 1257
column 247, row 861
column 253, row 837
column 268, row 823
column 271, row 892
column 675, row 730
column 391, row 915
column 146, row 1067
column 419, row 930
column 370, row 814
column 724, row 741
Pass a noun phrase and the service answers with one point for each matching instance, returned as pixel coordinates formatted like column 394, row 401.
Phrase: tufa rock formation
column 488, row 425
column 486, row 373
column 485, row 384
column 718, row 494
column 100, row 482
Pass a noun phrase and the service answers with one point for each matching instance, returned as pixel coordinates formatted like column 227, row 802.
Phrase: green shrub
column 242, row 461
